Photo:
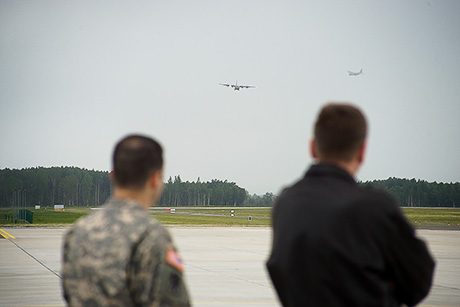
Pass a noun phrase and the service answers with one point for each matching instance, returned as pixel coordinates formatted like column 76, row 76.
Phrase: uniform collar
column 330, row 170
column 124, row 203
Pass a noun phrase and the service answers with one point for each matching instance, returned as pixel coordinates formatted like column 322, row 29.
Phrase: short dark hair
column 340, row 130
column 135, row 158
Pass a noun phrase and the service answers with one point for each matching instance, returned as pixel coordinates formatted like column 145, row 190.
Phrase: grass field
column 206, row 216
column 215, row 217
column 443, row 216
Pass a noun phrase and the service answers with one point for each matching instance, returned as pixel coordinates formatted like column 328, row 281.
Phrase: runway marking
column 6, row 235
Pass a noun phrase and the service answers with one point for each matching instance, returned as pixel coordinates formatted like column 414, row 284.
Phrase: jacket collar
column 330, row 170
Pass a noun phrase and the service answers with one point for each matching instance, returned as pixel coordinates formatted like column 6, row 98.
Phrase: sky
column 77, row 76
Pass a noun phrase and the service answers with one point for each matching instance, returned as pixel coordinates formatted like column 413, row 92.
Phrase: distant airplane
column 350, row 73
column 235, row 86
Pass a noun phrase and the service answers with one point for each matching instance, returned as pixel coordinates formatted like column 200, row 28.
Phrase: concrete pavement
column 225, row 266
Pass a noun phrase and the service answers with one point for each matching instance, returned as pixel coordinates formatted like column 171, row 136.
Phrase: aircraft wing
column 246, row 86
column 224, row 84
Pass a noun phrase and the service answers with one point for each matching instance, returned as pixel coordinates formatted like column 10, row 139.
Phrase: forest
column 69, row 186
column 72, row 186
column 212, row 193
column 215, row 192
column 420, row 193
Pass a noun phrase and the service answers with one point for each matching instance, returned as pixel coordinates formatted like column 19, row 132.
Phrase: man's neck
column 138, row 196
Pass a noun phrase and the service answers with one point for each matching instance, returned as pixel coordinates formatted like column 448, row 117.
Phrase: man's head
column 340, row 133
column 135, row 159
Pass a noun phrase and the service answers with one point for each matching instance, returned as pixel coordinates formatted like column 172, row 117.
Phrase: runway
column 225, row 266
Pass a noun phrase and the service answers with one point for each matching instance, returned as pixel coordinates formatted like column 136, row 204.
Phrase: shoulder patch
column 172, row 258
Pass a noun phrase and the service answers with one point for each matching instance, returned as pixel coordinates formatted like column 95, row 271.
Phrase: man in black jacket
column 336, row 243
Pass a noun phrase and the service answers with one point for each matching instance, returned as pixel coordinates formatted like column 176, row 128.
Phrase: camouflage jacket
column 120, row 256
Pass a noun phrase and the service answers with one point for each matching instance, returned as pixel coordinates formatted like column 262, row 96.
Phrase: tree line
column 72, row 186
column 211, row 193
column 419, row 193
column 69, row 186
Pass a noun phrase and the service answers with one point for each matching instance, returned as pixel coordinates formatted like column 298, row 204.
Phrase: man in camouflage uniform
column 120, row 256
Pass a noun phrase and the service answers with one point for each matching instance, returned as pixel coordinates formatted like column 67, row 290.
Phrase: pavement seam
column 36, row 259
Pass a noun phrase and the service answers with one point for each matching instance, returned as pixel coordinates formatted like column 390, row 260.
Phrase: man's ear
column 313, row 150
column 112, row 176
column 362, row 152
column 156, row 179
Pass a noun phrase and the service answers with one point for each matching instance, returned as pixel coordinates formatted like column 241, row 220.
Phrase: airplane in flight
column 236, row 87
column 351, row 73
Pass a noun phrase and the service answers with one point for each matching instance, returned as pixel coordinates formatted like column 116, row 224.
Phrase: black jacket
column 338, row 244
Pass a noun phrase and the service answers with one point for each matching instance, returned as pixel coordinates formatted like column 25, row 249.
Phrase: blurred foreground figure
column 120, row 256
column 336, row 243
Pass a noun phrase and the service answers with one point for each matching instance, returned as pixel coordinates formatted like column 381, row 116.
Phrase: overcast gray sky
column 76, row 76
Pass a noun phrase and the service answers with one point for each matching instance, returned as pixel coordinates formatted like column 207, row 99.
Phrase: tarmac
column 224, row 266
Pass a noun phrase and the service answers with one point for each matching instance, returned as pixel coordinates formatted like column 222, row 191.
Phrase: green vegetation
column 433, row 216
column 50, row 216
column 205, row 216
column 216, row 217
column 72, row 186
column 196, row 220
column 183, row 216
column 420, row 193
column 46, row 216
column 211, row 193
column 215, row 192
